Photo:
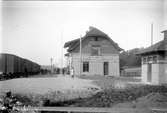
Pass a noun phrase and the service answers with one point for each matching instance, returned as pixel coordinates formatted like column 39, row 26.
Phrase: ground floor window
column 85, row 66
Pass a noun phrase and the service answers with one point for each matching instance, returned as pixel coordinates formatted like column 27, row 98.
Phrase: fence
column 95, row 109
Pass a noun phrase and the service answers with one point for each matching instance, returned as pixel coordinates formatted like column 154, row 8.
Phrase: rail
column 94, row 109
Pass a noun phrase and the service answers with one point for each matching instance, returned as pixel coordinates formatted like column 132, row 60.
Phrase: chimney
column 165, row 34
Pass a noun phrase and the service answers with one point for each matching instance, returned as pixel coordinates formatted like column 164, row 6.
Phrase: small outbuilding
column 154, row 62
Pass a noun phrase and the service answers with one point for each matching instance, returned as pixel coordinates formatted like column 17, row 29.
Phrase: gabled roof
column 160, row 46
column 93, row 32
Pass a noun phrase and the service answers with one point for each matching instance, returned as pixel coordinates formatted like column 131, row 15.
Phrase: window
column 150, row 59
column 155, row 59
column 96, row 38
column 95, row 50
column 144, row 60
column 85, row 66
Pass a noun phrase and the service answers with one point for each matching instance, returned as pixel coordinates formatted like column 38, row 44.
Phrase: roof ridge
column 96, row 32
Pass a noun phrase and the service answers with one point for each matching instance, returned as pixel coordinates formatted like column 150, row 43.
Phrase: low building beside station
column 154, row 62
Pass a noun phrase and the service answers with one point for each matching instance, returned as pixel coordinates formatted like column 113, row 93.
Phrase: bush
column 110, row 97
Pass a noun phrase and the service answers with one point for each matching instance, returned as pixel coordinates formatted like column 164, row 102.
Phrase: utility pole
column 62, row 51
column 51, row 60
column 151, row 34
column 80, row 55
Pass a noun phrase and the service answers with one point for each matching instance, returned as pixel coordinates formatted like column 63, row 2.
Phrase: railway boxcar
column 36, row 68
column 2, row 63
column 12, row 66
column 33, row 68
column 9, row 63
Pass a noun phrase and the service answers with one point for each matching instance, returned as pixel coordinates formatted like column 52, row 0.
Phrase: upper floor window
column 150, row 59
column 96, row 38
column 155, row 58
column 95, row 50
column 144, row 60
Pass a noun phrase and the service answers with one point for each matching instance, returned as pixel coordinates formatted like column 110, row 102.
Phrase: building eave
column 75, row 43
column 158, row 47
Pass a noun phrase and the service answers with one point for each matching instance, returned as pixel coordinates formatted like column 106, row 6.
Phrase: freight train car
column 12, row 66
column 9, row 63
column 36, row 68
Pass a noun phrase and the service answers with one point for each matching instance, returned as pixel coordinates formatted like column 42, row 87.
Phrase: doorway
column 105, row 68
column 149, row 73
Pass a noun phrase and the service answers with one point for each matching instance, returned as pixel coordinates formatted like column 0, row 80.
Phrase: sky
column 37, row 30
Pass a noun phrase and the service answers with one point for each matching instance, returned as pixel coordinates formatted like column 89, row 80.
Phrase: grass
column 115, row 91
column 111, row 97
column 106, row 98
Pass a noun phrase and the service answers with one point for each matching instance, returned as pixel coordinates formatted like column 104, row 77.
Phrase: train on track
column 12, row 66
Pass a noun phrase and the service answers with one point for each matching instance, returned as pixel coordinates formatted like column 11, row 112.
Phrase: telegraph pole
column 80, row 55
column 62, row 51
column 152, row 34
column 51, row 60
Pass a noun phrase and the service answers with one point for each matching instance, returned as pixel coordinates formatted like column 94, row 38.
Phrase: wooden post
column 80, row 56
column 152, row 34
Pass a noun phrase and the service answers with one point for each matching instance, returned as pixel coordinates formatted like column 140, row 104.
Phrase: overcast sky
column 38, row 30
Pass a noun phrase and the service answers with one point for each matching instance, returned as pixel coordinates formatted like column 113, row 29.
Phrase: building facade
column 99, row 54
column 154, row 62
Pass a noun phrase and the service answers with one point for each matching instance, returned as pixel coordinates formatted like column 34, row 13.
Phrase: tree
column 130, row 59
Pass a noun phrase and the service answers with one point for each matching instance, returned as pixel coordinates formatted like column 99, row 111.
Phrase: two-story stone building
column 100, row 54
column 154, row 62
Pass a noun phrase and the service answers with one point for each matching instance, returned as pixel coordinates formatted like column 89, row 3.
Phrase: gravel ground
column 109, row 82
column 45, row 85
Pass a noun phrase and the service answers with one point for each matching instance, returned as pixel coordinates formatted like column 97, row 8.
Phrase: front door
column 149, row 73
column 105, row 68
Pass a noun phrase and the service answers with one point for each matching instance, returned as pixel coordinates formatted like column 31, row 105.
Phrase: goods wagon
column 35, row 68
column 9, row 63
column 12, row 66
column 2, row 64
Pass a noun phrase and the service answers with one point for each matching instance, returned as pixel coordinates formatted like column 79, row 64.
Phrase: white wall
column 159, row 73
column 165, row 72
column 162, row 73
column 144, row 73
column 155, row 74
column 96, row 64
